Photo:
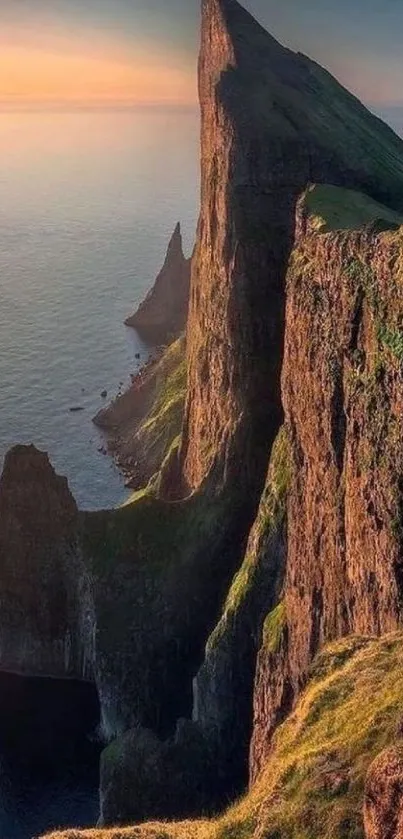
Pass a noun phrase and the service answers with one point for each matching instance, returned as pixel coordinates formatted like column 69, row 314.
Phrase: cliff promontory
column 273, row 525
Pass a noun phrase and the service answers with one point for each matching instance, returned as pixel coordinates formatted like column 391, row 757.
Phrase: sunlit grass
column 313, row 782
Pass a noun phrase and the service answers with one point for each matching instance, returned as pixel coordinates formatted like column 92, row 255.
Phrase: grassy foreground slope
column 313, row 783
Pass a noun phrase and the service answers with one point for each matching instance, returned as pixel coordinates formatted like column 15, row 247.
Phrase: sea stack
column 162, row 316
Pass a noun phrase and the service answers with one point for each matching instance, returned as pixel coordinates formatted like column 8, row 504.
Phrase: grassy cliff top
column 335, row 208
column 313, row 783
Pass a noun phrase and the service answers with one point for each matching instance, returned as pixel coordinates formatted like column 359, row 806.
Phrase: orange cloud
column 29, row 73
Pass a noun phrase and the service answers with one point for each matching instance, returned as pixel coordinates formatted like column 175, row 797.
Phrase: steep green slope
column 142, row 424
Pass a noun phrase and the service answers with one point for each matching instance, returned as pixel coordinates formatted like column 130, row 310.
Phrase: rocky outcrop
column 145, row 778
column 344, row 341
column 162, row 316
column 142, row 425
column 383, row 808
column 123, row 598
column 46, row 618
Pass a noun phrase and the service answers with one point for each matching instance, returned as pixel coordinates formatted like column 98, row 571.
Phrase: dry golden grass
column 313, row 782
column 152, row 830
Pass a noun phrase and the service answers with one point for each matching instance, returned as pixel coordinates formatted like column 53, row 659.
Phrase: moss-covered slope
column 334, row 208
column 142, row 424
column 313, row 782
column 223, row 688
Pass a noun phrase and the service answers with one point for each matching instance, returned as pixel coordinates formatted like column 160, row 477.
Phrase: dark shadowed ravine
column 49, row 766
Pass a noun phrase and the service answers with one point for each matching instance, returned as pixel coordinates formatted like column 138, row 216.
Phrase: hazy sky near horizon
column 145, row 50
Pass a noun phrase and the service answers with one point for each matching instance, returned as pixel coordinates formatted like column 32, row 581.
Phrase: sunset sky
column 144, row 51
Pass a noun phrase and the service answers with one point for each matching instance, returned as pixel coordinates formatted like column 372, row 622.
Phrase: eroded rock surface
column 46, row 621
column 344, row 342
column 383, row 808
column 143, row 777
column 223, row 688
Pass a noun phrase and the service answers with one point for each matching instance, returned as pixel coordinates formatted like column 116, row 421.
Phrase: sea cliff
column 241, row 615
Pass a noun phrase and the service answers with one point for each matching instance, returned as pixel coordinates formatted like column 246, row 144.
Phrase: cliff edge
column 275, row 525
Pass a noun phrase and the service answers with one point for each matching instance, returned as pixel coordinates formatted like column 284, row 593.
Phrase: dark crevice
column 338, row 419
column 398, row 528
column 317, row 614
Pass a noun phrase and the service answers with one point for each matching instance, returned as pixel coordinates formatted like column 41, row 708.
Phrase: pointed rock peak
column 175, row 247
column 231, row 34
column 232, row 13
column 277, row 97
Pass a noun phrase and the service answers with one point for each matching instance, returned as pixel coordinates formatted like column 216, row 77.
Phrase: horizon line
column 7, row 105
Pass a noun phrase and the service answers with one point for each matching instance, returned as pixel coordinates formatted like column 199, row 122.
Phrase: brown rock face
column 162, row 316
column 383, row 808
column 223, row 688
column 272, row 121
column 40, row 620
column 343, row 397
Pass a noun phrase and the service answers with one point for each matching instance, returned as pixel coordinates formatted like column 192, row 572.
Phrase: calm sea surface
column 88, row 203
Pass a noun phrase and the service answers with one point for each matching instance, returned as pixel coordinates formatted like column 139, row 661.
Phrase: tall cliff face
column 344, row 341
column 45, row 624
column 272, row 121
column 123, row 598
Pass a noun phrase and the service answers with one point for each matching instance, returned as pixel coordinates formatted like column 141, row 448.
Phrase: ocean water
column 89, row 200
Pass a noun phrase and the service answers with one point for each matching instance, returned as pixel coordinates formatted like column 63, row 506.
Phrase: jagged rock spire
column 161, row 317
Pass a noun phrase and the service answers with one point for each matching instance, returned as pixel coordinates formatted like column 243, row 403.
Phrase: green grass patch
column 273, row 628
column 333, row 208
column 270, row 515
column 392, row 339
